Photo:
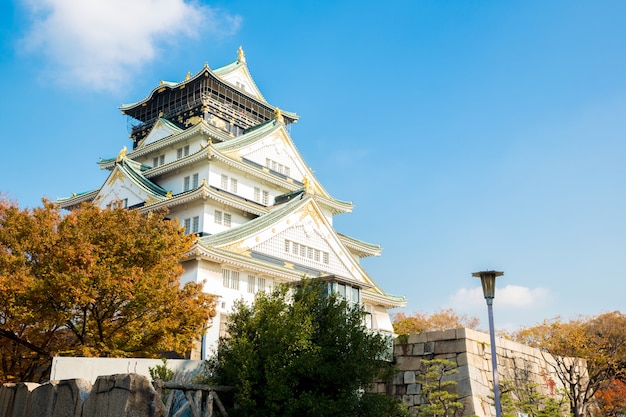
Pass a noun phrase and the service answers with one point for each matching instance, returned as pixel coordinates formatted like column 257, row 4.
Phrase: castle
column 212, row 151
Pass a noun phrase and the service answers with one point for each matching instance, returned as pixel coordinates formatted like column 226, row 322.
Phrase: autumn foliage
column 600, row 341
column 442, row 319
column 611, row 398
column 92, row 283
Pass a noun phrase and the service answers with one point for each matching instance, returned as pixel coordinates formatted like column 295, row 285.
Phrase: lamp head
column 488, row 280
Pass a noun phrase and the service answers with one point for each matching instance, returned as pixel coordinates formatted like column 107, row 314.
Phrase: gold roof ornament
column 241, row 57
column 122, row 154
column 188, row 76
column 278, row 115
column 305, row 182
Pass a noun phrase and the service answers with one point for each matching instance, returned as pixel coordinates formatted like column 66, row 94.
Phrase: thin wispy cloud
column 99, row 43
column 508, row 297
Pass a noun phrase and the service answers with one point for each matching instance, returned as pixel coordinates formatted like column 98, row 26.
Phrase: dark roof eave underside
column 134, row 110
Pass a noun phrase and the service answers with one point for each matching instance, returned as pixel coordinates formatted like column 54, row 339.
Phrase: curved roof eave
column 361, row 249
column 141, row 181
column 205, row 191
column 384, row 299
column 74, row 200
column 253, row 225
column 245, row 261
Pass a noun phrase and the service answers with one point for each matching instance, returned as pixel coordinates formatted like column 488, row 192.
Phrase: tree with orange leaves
column 600, row 341
column 443, row 319
column 92, row 283
column 611, row 398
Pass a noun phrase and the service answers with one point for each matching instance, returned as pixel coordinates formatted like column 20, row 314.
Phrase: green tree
column 438, row 389
column 92, row 283
column 525, row 396
column 302, row 352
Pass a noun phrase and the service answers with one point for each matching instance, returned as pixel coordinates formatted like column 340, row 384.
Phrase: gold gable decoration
column 239, row 248
column 117, row 175
column 241, row 57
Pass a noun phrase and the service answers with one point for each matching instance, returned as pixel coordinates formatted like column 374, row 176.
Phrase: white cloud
column 98, row 43
column 508, row 297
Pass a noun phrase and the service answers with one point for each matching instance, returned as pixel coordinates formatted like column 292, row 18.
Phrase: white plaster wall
column 91, row 368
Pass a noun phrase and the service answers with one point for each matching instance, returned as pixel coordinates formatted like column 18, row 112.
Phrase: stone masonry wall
column 471, row 351
column 122, row 395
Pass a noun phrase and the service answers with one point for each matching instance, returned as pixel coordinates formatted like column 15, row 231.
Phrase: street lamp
column 488, row 280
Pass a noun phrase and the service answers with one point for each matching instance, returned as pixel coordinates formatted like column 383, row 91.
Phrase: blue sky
column 469, row 135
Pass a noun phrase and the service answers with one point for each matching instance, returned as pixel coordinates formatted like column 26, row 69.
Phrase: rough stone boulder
column 123, row 395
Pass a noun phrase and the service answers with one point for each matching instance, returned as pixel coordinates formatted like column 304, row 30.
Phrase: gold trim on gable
column 117, row 175
column 239, row 248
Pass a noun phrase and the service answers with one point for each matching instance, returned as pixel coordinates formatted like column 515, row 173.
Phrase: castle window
column 222, row 218
column 159, row 160
column 233, row 185
column 194, row 181
column 307, row 252
column 230, row 279
column 224, row 183
column 266, row 197
column 186, row 182
column 192, row 225
column 251, row 283
column 184, row 151
column 277, row 167
column 257, row 194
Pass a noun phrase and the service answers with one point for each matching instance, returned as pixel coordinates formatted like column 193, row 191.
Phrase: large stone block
column 70, row 397
column 21, row 401
column 418, row 338
column 408, row 400
column 408, row 363
column 409, row 377
column 449, row 346
column 441, row 335
column 7, row 394
column 418, row 349
column 43, row 399
column 414, row 389
column 123, row 395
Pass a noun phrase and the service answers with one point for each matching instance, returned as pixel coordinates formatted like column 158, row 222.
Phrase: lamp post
column 488, row 280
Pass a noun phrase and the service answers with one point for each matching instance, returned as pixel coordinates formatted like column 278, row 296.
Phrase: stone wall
column 471, row 351
column 122, row 395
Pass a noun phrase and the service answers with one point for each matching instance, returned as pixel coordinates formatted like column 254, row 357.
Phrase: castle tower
column 219, row 157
